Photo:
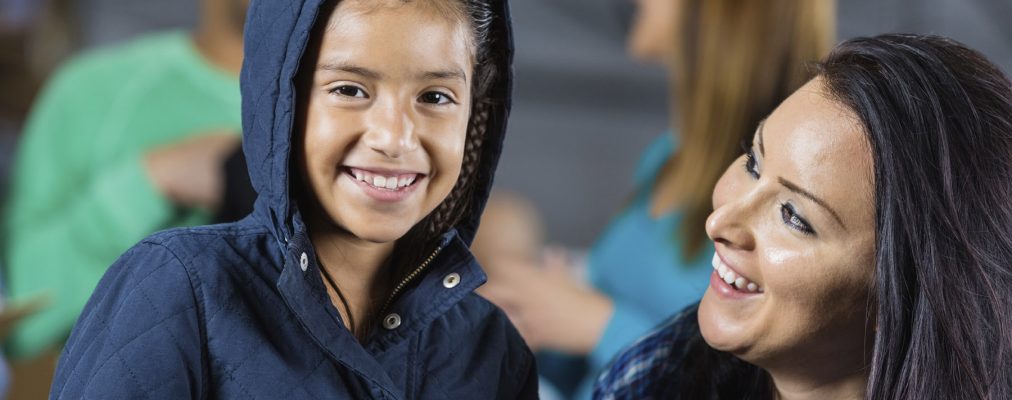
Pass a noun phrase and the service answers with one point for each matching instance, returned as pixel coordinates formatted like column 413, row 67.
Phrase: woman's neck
column 818, row 383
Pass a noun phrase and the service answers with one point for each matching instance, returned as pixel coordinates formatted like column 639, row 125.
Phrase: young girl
column 372, row 154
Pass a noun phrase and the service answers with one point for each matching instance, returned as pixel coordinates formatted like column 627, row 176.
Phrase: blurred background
column 583, row 110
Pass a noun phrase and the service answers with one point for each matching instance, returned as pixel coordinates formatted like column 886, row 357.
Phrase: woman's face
column 794, row 228
column 652, row 36
column 386, row 116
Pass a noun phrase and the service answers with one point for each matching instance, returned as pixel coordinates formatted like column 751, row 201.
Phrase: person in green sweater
column 121, row 143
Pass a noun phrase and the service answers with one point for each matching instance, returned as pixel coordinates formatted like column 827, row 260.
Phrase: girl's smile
column 383, row 185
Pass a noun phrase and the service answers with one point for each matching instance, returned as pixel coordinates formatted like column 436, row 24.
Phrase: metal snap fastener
column 392, row 321
column 304, row 262
column 451, row 280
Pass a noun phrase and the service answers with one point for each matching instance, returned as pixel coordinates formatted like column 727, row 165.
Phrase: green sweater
column 80, row 195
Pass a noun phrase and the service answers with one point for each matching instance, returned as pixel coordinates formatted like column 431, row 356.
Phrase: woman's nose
column 731, row 224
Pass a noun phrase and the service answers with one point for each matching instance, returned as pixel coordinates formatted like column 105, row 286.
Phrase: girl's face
column 794, row 230
column 386, row 116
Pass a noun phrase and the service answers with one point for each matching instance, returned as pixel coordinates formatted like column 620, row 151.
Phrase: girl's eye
column 795, row 221
column 751, row 166
column 350, row 91
column 435, row 98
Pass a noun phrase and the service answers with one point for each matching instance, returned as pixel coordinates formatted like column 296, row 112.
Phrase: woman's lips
column 729, row 281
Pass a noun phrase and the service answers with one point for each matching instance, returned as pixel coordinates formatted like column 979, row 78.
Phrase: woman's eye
column 794, row 221
column 349, row 91
column 751, row 166
column 435, row 98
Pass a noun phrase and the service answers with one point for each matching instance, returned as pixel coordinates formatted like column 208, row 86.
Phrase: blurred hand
column 189, row 172
column 548, row 305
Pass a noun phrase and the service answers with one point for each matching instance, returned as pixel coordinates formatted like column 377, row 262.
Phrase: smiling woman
column 863, row 242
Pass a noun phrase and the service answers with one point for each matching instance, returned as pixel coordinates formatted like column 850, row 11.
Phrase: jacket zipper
column 404, row 282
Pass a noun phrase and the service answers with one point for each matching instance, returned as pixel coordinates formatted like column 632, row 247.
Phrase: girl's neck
column 357, row 269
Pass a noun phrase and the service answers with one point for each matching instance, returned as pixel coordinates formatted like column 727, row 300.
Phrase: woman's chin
column 721, row 330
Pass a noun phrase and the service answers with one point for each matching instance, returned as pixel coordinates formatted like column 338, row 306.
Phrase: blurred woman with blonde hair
column 729, row 63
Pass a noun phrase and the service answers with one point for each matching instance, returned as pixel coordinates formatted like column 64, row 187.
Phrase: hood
column 277, row 32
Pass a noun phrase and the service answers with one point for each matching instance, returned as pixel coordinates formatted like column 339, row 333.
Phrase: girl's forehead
column 452, row 10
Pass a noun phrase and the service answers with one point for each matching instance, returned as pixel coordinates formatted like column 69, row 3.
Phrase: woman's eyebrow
column 797, row 189
column 762, row 149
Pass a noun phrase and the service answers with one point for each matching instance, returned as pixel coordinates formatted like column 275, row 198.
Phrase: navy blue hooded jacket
column 240, row 311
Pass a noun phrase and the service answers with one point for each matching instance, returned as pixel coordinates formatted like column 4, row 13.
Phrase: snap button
column 304, row 261
column 451, row 280
column 392, row 321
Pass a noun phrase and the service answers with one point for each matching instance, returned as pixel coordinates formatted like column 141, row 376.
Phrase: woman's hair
column 938, row 117
column 735, row 61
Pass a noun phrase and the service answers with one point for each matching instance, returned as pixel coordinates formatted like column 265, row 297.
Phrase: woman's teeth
column 384, row 182
column 732, row 278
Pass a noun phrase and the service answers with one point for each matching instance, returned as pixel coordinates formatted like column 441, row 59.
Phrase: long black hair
column 938, row 116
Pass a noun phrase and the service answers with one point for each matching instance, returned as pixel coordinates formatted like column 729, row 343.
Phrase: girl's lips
column 368, row 181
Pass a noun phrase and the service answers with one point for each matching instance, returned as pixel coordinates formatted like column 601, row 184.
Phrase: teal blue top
column 638, row 263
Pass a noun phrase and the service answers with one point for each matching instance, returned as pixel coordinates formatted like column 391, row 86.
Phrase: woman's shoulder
column 649, row 362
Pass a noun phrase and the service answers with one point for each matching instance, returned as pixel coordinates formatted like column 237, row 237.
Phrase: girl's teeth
column 385, row 182
column 739, row 283
column 752, row 287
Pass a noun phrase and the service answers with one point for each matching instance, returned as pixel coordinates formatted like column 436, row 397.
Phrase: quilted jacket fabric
column 239, row 310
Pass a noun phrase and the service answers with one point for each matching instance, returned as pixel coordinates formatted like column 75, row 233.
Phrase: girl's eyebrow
column 453, row 73
column 350, row 68
column 450, row 73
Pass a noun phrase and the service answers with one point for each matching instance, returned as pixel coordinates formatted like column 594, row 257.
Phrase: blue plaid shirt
column 646, row 369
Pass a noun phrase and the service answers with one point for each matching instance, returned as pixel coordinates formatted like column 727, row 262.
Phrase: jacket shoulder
column 482, row 335
column 139, row 335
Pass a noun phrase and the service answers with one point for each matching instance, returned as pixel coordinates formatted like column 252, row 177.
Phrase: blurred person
column 863, row 242
column 511, row 229
column 729, row 64
column 122, row 142
column 512, row 235
column 372, row 131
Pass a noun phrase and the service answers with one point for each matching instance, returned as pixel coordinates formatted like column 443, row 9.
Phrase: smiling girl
column 863, row 242
column 372, row 130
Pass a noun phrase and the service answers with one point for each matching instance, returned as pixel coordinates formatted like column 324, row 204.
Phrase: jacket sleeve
column 70, row 212
column 139, row 336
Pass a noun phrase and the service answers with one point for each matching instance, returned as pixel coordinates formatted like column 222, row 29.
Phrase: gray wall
column 583, row 111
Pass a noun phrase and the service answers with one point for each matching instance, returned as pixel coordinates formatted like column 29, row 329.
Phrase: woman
column 371, row 135
column 863, row 242
column 729, row 63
